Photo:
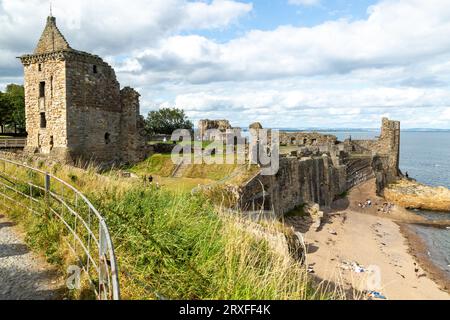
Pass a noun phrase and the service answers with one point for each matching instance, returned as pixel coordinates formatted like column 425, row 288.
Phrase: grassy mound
column 176, row 245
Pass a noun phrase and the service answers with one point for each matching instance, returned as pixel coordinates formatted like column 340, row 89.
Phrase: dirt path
column 23, row 274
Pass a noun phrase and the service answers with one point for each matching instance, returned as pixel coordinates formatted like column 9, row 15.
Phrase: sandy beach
column 362, row 250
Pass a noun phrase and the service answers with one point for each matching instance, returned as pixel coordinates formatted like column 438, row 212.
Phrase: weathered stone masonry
column 323, row 171
column 75, row 108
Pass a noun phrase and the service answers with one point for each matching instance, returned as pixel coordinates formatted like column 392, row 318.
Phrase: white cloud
column 318, row 106
column 394, row 63
column 304, row 2
column 337, row 73
column 395, row 34
column 112, row 26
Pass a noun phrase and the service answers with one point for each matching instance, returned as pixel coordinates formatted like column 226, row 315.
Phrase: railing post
column 47, row 184
column 102, row 272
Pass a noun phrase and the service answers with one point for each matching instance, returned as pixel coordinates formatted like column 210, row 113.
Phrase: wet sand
column 418, row 249
column 353, row 239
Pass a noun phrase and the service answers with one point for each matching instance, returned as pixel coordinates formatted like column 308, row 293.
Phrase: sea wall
column 299, row 181
column 307, row 180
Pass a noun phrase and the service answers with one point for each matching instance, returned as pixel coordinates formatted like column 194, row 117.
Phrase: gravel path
column 23, row 274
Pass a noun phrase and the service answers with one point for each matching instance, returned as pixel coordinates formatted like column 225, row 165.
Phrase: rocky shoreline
column 413, row 195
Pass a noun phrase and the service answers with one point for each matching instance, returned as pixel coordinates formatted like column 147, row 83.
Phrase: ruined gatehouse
column 75, row 108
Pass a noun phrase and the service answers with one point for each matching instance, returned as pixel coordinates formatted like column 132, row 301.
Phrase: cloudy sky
column 285, row 63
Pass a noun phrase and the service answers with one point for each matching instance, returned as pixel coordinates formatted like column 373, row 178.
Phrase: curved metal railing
column 85, row 231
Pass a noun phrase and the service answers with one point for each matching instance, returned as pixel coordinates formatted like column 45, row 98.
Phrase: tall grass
column 177, row 245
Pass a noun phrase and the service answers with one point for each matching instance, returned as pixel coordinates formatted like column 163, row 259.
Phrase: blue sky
column 285, row 63
column 269, row 14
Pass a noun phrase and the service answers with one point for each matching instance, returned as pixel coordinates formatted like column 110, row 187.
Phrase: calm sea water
column 426, row 158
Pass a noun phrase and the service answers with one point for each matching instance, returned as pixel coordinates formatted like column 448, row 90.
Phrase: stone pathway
column 23, row 274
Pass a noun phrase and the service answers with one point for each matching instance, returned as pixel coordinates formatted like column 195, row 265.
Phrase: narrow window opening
column 43, row 121
column 52, row 143
column 42, row 89
column 40, row 67
column 51, row 87
column 107, row 138
column 94, row 69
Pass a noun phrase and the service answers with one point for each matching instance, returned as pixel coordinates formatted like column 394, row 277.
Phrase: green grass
column 211, row 172
column 180, row 247
column 175, row 245
column 160, row 164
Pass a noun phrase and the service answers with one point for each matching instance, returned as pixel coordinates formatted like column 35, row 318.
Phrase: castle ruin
column 321, row 168
column 75, row 108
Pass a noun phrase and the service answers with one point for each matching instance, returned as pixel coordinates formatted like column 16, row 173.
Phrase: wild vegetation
column 175, row 245
column 12, row 109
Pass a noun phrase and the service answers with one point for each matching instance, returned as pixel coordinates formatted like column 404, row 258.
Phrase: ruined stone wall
column 386, row 146
column 87, row 116
column 94, row 110
column 306, row 139
column 205, row 125
column 52, row 138
column 133, row 137
column 320, row 178
column 298, row 182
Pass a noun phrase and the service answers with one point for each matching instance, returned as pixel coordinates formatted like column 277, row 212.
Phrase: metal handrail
column 67, row 206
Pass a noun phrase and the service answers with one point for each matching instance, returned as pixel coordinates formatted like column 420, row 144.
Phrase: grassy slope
column 176, row 245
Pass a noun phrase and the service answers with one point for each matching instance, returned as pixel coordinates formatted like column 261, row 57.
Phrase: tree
column 167, row 120
column 12, row 108
column 16, row 95
column 5, row 111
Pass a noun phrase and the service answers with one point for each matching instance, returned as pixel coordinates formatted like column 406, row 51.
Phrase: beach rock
column 314, row 211
column 413, row 195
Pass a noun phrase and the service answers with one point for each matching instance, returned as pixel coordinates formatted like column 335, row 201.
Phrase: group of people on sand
column 386, row 208
column 367, row 204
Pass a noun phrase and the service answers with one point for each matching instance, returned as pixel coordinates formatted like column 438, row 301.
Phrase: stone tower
column 390, row 145
column 75, row 108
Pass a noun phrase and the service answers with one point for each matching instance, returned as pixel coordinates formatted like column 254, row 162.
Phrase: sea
column 425, row 155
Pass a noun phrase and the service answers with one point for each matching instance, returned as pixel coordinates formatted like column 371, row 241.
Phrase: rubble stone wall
column 75, row 108
column 321, row 174
column 306, row 139
column 298, row 182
